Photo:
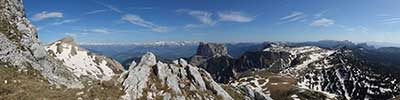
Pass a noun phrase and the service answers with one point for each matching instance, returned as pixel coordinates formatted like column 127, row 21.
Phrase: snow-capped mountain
column 338, row 71
column 82, row 62
column 310, row 72
column 344, row 74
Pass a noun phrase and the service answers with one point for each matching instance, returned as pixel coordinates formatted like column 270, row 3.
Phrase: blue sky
column 215, row 20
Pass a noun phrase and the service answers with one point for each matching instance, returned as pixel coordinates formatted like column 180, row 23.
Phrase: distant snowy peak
column 158, row 43
column 304, row 55
column 292, row 50
column 82, row 62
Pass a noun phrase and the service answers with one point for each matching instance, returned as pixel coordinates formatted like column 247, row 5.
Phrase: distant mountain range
column 383, row 44
column 125, row 52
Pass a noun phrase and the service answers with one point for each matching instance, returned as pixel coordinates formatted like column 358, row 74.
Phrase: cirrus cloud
column 323, row 22
column 137, row 20
column 65, row 21
column 234, row 16
column 203, row 16
column 46, row 15
column 293, row 17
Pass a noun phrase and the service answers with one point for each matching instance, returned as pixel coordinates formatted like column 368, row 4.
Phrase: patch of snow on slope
column 80, row 62
column 293, row 51
column 315, row 56
column 254, row 84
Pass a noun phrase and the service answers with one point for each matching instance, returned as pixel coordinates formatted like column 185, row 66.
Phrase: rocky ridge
column 150, row 79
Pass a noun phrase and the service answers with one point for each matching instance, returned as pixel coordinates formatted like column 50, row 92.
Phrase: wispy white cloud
column 133, row 19
column 137, row 20
column 97, row 30
column 57, row 23
column 203, row 16
column 208, row 19
column 323, row 22
column 65, row 21
column 103, row 31
column 294, row 16
column 46, row 15
column 234, row 16
column 298, row 18
column 190, row 26
column 110, row 7
column 392, row 20
column 96, row 11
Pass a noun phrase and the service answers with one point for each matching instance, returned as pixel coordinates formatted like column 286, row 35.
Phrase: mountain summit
column 211, row 49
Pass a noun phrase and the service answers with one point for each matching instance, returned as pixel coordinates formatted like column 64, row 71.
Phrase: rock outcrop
column 21, row 48
column 82, row 62
column 207, row 51
column 150, row 79
column 211, row 49
column 214, row 58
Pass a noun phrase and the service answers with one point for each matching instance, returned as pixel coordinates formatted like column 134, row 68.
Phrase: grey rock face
column 214, row 58
column 211, row 49
column 21, row 48
column 178, row 81
column 138, row 77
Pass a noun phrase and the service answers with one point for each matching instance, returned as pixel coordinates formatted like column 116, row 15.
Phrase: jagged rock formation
column 207, row 51
column 150, row 79
column 214, row 58
column 211, row 49
column 21, row 48
column 82, row 62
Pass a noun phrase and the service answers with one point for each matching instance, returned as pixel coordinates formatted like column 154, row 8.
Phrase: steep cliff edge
column 21, row 48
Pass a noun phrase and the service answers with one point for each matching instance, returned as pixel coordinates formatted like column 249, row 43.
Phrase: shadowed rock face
column 214, row 58
column 211, row 50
